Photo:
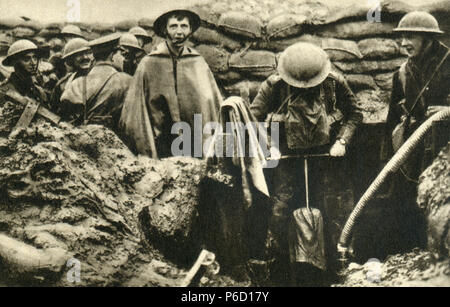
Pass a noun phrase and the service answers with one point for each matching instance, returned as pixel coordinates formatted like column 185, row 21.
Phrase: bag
column 399, row 133
column 306, row 123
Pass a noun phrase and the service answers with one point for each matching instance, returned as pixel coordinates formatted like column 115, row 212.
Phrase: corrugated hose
column 392, row 166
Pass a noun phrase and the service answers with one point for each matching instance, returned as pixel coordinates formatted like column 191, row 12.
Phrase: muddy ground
column 79, row 193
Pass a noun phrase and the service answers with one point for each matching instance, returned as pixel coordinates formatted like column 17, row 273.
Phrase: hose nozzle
column 343, row 256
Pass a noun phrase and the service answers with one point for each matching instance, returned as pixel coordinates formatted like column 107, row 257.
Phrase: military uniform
column 416, row 73
column 134, row 53
column 96, row 98
column 317, row 114
column 334, row 94
column 331, row 103
column 432, row 63
column 23, row 86
column 59, row 89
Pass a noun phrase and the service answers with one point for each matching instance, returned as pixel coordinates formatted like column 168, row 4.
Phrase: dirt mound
column 415, row 269
column 433, row 197
column 78, row 194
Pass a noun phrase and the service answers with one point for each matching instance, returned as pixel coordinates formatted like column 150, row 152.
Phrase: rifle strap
column 27, row 116
column 402, row 77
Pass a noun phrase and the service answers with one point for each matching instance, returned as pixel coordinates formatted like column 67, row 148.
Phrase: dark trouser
column 288, row 194
column 411, row 222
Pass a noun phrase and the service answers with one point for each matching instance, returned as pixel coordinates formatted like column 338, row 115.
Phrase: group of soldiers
column 143, row 97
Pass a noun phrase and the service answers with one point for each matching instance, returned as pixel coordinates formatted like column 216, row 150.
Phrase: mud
column 415, row 269
column 82, row 192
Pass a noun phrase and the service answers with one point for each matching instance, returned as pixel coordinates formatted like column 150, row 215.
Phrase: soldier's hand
column 434, row 109
column 337, row 150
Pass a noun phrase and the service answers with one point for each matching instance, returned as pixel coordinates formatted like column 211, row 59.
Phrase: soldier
column 171, row 85
column 5, row 43
column 141, row 35
column 78, row 55
column 131, row 51
column 70, row 32
column 67, row 33
column 98, row 97
column 46, row 76
column 317, row 114
column 24, row 56
column 421, row 88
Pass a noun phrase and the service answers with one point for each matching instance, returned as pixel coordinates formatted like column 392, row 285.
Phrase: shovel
column 306, row 232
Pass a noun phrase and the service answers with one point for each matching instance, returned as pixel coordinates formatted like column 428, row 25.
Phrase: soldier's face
column 83, row 60
column 178, row 30
column 28, row 63
column 412, row 43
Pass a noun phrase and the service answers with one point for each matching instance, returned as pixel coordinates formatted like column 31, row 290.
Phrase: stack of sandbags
column 242, row 40
column 252, row 34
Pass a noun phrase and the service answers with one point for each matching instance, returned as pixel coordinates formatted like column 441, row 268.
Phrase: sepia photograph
column 225, row 148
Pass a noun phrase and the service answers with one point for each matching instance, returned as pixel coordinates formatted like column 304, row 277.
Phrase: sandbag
column 211, row 14
column 356, row 29
column 280, row 45
column 32, row 24
column 102, row 28
column 384, row 81
column 284, row 26
column 379, row 48
column 21, row 32
column 146, row 23
column 216, row 58
column 341, row 50
column 365, row 67
column 54, row 25
column 338, row 55
column 359, row 82
column 125, row 25
column 241, row 24
column 437, row 7
column 49, row 32
column 10, row 23
column 91, row 35
column 208, row 36
column 257, row 63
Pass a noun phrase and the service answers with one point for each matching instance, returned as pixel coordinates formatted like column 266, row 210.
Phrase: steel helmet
column 160, row 23
column 304, row 65
column 71, row 30
column 75, row 46
column 418, row 22
column 140, row 32
column 18, row 47
column 129, row 40
column 105, row 43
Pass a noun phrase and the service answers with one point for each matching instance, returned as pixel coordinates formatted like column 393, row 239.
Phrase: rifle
column 31, row 108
